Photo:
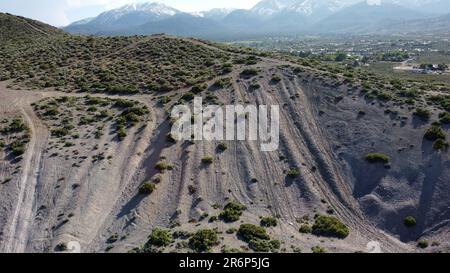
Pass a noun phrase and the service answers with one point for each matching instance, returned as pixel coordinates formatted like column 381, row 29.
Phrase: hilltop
column 16, row 27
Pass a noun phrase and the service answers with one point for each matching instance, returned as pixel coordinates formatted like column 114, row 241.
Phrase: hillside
column 362, row 157
column 15, row 27
column 118, row 65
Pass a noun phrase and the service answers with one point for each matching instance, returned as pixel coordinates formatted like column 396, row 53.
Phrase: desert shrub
column 222, row 83
column 293, row 172
column 160, row 238
column 384, row 96
column 422, row 113
column 435, row 133
column 249, row 232
column 161, row 166
column 121, row 132
column 198, row 88
column 204, row 240
column 297, row 70
column 147, row 188
column 122, row 89
column 164, row 100
column 249, row 72
column 377, row 158
column 276, row 79
column 409, row 221
column 254, row 86
column 18, row 147
column 16, row 126
column 60, row 132
column 260, row 245
column 189, row 96
column 113, row 238
column 440, row 145
column 222, row 146
column 329, row 227
column 207, row 160
column 422, row 244
column 122, row 103
column 232, row 212
column 51, row 112
column 444, row 117
column 268, row 222
column 318, row 250
column 305, row 229
column 227, row 68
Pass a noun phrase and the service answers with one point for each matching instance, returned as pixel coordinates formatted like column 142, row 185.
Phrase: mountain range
column 271, row 17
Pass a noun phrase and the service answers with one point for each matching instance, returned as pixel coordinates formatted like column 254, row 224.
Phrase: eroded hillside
column 357, row 162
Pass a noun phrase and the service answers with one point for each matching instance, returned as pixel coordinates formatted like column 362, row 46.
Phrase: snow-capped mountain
column 154, row 11
column 303, row 7
column 268, row 17
column 214, row 14
column 315, row 7
column 127, row 16
column 271, row 7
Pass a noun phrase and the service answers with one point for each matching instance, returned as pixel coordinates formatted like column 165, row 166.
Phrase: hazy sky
column 62, row 12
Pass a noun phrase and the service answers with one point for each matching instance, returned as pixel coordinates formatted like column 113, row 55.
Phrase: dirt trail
column 15, row 239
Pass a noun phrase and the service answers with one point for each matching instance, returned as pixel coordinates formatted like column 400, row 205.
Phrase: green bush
column 60, row 132
column 161, row 166
column 222, row 83
column 198, row 88
column 160, row 238
column 422, row 113
column 222, row 146
column 377, row 158
column 204, row 240
column 121, row 132
column 276, row 79
column 18, row 148
column 261, row 245
column 268, row 222
column 293, row 172
column 232, row 212
column 147, row 188
column 189, row 96
column 409, row 221
column 422, row 244
column 16, row 126
column 249, row 232
column 249, row 72
column 435, row 133
column 305, row 229
column 440, row 145
column 122, row 89
column 318, row 250
column 444, row 117
column 329, row 227
column 207, row 160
